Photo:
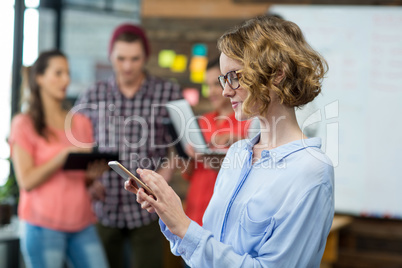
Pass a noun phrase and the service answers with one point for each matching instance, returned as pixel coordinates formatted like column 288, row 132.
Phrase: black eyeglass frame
column 223, row 79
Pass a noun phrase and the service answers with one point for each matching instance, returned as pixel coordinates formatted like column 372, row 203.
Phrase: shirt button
column 265, row 154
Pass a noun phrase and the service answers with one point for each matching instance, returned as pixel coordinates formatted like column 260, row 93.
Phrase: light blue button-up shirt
column 276, row 212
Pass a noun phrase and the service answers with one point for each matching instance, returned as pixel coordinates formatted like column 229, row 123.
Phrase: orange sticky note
column 198, row 64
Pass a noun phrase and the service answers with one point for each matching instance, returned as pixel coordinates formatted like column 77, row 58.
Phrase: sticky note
column 197, row 76
column 192, row 95
column 200, row 50
column 179, row 64
column 205, row 91
column 166, row 58
column 198, row 63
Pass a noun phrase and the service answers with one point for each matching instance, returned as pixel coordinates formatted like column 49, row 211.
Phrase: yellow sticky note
column 166, row 58
column 179, row 64
column 198, row 64
column 197, row 77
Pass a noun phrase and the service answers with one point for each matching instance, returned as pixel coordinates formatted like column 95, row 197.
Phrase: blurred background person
column 127, row 122
column 54, row 206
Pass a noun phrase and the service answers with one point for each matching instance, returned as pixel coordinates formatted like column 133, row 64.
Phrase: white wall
column 361, row 102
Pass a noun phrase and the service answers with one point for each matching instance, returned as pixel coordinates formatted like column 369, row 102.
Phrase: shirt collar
column 285, row 150
column 143, row 88
column 251, row 142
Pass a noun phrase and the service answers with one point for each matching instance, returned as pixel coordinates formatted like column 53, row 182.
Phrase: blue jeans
column 46, row 248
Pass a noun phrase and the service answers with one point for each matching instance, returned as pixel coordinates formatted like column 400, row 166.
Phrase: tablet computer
column 81, row 160
column 186, row 126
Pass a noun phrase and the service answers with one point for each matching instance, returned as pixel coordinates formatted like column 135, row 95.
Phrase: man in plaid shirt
column 127, row 114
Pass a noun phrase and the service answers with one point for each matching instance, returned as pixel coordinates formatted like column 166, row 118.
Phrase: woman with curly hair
column 273, row 202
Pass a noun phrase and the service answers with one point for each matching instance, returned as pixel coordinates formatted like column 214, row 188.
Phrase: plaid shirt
column 134, row 129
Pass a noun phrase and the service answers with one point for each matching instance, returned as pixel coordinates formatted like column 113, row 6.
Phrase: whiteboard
column 359, row 113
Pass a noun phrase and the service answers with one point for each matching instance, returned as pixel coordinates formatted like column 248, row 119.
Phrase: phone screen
column 123, row 172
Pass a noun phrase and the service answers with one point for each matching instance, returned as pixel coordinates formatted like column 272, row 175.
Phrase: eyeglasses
column 232, row 78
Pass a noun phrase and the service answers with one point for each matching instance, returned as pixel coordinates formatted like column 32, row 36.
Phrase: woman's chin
column 240, row 116
column 60, row 97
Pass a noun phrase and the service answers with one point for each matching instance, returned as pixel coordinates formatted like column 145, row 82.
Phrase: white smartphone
column 122, row 171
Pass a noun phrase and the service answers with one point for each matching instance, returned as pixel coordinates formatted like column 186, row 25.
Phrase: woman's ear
column 279, row 77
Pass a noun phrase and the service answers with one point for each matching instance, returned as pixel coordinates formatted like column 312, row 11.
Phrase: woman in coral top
column 54, row 207
column 220, row 129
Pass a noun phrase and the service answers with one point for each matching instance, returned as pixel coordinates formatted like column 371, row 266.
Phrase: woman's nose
column 228, row 91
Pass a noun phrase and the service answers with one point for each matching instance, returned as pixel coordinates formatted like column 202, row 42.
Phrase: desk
column 331, row 248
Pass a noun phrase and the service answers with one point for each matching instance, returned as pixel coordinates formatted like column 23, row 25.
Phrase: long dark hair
column 35, row 107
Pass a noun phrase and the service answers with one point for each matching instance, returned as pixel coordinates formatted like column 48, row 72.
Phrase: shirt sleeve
column 22, row 133
column 298, row 241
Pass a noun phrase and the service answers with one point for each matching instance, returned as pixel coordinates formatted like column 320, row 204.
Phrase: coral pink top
column 62, row 202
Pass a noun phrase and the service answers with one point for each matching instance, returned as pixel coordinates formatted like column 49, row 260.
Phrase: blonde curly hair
column 268, row 47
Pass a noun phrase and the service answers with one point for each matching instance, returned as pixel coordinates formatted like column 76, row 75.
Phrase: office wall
column 207, row 9
column 85, row 38
column 360, row 99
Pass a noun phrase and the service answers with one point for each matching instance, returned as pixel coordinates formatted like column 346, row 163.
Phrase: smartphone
column 122, row 171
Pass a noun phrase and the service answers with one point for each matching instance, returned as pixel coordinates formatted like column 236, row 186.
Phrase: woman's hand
column 167, row 204
column 131, row 186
